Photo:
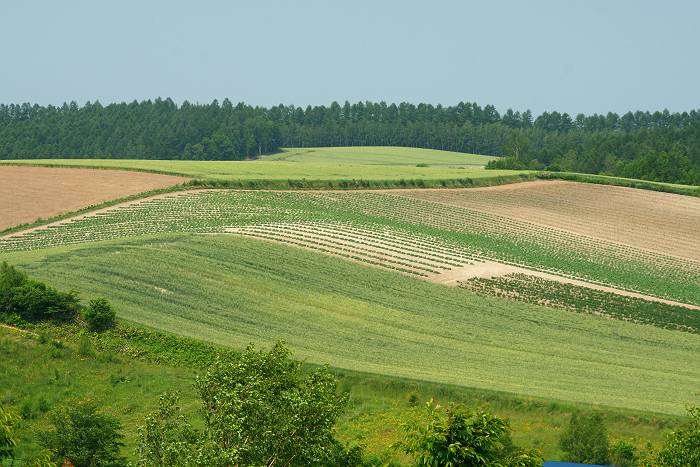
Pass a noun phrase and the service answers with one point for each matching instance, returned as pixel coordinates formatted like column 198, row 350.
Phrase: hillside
column 358, row 163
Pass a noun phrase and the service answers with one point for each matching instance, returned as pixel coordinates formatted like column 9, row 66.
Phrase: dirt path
column 488, row 269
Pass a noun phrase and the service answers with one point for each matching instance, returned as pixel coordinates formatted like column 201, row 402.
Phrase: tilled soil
column 30, row 193
column 661, row 222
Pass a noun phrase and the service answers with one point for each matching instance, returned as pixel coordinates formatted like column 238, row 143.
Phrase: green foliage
column 128, row 385
column 657, row 146
column 623, row 454
column 259, row 409
column 8, row 419
column 585, row 440
column 84, row 436
column 32, row 300
column 455, row 436
column 85, row 347
column 682, row 447
column 99, row 314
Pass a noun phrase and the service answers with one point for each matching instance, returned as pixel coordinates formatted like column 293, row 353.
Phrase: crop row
column 584, row 300
column 376, row 247
column 457, row 233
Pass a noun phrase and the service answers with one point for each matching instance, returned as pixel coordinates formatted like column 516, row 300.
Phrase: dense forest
column 659, row 146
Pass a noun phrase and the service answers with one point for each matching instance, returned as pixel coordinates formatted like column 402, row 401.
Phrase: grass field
column 360, row 163
column 39, row 377
column 232, row 291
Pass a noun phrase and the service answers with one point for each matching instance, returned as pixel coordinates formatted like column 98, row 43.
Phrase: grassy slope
column 38, row 378
column 233, row 291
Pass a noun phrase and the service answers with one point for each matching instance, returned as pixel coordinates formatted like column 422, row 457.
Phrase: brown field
column 30, row 193
column 660, row 222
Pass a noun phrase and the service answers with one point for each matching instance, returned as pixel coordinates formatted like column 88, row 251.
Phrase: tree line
column 659, row 145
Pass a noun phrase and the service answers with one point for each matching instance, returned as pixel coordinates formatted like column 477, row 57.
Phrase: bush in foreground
column 455, row 436
column 259, row 409
column 84, row 437
column 8, row 419
column 99, row 315
column 585, row 440
column 31, row 300
column 682, row 447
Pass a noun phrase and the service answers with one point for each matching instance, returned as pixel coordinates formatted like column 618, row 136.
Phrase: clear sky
column 572, row 56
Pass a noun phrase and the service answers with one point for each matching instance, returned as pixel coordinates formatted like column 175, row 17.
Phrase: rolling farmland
column 661, row 222
column 231, row 290
column 179, row 262
column 473, row 232
column 552, row 290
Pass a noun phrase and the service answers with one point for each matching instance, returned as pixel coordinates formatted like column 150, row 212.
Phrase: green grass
column 380, row 155
column 121, row 376
column 231, row 291
column 361, row 163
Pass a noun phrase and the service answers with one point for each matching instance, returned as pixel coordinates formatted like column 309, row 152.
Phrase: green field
column 232, row 291
column 359, row 163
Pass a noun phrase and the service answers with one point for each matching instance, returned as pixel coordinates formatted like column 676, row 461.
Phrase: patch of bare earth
column 30, row 193
column 662, row 222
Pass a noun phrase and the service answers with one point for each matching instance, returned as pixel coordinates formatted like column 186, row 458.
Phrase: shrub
column 30, row 300
column 84, row 436
column 85, row 347
column 99, row 315
column 682, row 447
column 457, row 436
column 259, row 409
column 8, row 419
column 585, row 440
column 623, row 454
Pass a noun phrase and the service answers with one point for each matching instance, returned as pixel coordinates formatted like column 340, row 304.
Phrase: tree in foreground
column 454, row 436
column 259, row 409
column 8, row 419
column 85, row 437
column 99, row 314
column 585, row 440
column 682, row 447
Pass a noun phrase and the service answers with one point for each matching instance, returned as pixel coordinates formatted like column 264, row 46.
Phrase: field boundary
column 687, row 190
column 349, row 184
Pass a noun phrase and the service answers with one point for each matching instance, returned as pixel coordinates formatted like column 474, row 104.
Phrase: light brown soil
column 30, row 193
column 660, row 222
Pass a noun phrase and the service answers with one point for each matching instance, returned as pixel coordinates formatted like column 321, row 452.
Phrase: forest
column 661, row 145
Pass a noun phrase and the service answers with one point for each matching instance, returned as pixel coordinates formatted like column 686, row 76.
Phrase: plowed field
column 29, row 193
column 661, row 222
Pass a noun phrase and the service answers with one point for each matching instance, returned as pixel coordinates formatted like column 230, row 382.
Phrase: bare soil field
column 661, row 222
column 29, row 193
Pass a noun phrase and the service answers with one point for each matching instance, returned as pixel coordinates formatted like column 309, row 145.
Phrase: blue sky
column 573, row 56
